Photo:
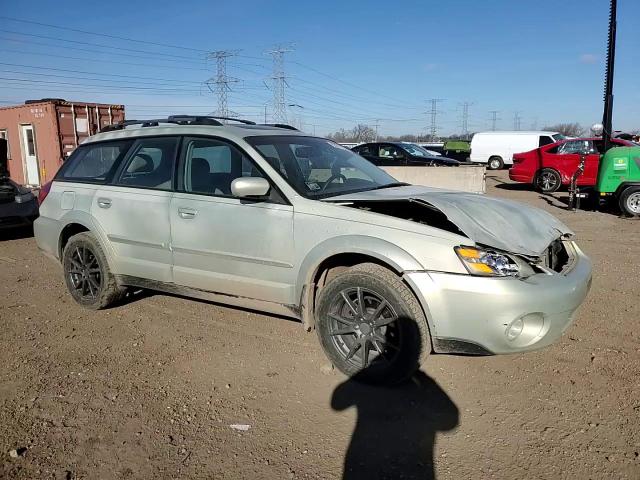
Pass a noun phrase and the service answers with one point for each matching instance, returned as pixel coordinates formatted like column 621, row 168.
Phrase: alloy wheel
column 85, row 273
column 364, row 327
column 547, row 181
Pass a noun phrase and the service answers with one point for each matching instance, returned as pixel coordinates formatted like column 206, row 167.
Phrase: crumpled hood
column 503, row 224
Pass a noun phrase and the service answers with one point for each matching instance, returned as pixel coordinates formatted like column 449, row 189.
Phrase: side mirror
column 247, row 187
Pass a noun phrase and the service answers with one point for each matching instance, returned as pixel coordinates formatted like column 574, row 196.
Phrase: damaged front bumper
column 478, row 315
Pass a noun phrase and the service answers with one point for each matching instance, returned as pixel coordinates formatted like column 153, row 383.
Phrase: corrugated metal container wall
column 77, row 121
column 41, row 135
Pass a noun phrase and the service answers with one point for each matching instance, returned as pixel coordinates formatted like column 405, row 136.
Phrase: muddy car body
column 271, row 219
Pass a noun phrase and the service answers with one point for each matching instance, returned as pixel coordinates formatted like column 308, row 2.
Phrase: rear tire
column 547, row 180
column 382, row 343
column 495, row 163
column 87, row 274
column 630, row 201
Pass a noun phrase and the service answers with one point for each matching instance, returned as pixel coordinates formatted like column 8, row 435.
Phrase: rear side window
column 150, row 164
column 94, row 163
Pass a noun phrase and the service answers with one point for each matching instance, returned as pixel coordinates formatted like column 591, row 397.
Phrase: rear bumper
column 47, row 233
column 520, row 177
column 477, row 313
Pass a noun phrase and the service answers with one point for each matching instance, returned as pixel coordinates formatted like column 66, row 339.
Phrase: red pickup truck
column 549, row 167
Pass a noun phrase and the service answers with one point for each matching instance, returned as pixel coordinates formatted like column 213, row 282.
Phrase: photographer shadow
column 396, row 428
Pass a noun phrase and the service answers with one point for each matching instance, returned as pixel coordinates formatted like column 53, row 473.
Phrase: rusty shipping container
column 41, row 134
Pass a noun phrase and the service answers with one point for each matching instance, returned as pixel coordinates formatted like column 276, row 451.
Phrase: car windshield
column 415, row 150
column 319, row 168
column 558, row 137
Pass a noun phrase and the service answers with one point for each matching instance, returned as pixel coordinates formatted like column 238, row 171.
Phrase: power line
column 465, row 118
column 221, row 80
column 434, row 115
column 96, row 60
column 517, row 120
column 46, row 37
column 279, row 83
column 86, row 32
column 494, row 118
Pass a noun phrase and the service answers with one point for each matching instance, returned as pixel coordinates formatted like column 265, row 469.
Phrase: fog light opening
column 514, row 329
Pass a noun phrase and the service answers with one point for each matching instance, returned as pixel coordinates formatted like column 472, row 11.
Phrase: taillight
column 517, row 159
column 44, row 191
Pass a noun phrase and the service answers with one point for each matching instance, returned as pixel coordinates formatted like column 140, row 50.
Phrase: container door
column 29, row 155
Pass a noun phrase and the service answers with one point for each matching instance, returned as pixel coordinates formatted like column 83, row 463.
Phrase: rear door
column 566, row 158
column 133, row 211
column 225, row 244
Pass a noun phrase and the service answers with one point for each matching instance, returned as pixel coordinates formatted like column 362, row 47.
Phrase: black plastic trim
column 458, row 347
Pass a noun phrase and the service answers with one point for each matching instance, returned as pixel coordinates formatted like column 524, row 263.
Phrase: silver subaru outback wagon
column 268, row 218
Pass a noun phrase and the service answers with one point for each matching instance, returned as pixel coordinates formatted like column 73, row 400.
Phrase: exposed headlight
column 487, row 263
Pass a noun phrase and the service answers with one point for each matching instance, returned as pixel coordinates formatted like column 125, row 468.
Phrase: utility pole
column 465, row 119
column 221, row 80
column 377, row 124
column 494, row 119
column 517, row 119
column 279, row 82
column 434, row 115
column 534, row 124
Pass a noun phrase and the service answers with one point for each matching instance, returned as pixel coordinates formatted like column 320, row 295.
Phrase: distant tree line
column 365, row 133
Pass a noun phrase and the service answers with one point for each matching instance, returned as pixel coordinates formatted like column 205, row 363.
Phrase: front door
column 32, row 172
column 225, row 244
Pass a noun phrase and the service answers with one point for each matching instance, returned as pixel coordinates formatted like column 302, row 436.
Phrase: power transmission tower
column 221, row 81
column 494, row 119
column 434, row 115
column 517, row 119
column 465, row 119
column 279, row 82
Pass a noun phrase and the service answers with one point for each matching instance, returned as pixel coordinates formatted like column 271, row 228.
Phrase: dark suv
column 397, row 154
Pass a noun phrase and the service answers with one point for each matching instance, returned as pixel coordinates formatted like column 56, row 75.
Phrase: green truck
column 619, row 178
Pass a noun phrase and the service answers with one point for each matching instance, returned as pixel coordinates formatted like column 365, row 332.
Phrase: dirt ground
column 150, row 389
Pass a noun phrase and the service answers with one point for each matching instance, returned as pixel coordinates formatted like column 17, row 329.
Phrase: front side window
column 575, row 146
column 211, row 165
column 319, row 168
column 94, row 162
column 389, row 151
column 366, row 150
column 150, row 164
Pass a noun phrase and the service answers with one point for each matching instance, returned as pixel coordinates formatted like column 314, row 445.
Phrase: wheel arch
column 79, row 222
column 340, row 253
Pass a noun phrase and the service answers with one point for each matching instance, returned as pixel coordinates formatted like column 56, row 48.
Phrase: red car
column 549, row 167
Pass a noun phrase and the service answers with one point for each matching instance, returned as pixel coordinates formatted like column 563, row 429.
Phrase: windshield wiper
column 390, row 185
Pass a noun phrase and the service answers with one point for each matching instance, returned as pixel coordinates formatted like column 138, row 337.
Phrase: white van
column 496, row 149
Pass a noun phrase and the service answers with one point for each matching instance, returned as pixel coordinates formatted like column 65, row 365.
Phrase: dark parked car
column 18, row 206
column 396, row 154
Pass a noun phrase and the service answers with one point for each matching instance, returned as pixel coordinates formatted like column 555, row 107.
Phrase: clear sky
column 351, row 61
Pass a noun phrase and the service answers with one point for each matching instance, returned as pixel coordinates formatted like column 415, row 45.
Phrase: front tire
column 548, row 180
column 371, row 326
column 495, row 163
column 87, row 274
column 630, row 201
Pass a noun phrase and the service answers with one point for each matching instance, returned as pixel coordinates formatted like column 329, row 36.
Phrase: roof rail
column 178, row 120
column 279, row 125
column 200, row 118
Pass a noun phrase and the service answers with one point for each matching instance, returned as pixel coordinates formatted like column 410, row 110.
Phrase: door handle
column 187, row 213
column 104, row 202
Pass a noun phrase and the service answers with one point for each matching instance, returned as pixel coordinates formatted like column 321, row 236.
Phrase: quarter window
column 545, row 140
column 94, row 162
column 150, row 165
column 211, row 165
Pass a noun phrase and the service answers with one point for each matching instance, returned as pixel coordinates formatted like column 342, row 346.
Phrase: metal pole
column 607, row 116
